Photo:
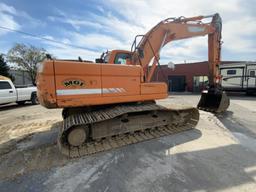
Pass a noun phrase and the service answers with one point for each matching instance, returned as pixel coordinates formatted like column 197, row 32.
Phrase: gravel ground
column 219, row 155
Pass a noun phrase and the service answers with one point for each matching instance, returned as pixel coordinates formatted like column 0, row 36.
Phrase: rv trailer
column 239, row 77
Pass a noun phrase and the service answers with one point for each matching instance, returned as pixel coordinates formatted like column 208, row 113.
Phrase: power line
column 43, row 38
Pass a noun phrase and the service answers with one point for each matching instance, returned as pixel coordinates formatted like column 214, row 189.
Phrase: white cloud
column 7, row 19
column 96, row 41
column 75, row 22
column 119, row 28
column 108, row 31
column 30, row 21
column 239, row 24
column 63, row 51
column 189, row 49
column 7, row 9
column 240, row 35
column 66, row 52
column 9, row 15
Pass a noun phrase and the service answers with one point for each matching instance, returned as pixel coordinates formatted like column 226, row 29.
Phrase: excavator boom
column 148, row 50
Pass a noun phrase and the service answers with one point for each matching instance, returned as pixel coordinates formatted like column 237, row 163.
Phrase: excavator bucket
column 213, row 102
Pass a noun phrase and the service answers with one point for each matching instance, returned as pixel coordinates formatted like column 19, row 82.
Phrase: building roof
column 242, row 64
column 222, row 63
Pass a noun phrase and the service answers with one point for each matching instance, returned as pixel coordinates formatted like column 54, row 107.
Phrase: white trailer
column 239, row 77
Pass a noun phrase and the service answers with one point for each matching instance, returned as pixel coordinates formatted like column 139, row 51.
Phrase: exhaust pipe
column 214, row 100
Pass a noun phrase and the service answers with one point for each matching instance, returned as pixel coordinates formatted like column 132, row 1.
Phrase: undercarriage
column 86, row 131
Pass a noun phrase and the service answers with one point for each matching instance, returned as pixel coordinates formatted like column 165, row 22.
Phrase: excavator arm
column 148, row 50
column 172, row 29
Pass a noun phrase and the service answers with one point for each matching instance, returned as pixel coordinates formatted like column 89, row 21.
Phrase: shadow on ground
column 148, row 167
column 242, row 121
column 39, row 151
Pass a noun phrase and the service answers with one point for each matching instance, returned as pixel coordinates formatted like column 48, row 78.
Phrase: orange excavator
column 111, row 103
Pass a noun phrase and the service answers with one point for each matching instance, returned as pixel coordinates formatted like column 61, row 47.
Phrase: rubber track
column 118, row 140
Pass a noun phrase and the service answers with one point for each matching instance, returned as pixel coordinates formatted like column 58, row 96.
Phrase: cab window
column 121, row 58
column 252, row 73
column 5, row 85
column 231, row 72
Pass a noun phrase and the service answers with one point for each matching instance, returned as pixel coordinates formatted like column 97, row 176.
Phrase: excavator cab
column 213, row 100
column 115, row 57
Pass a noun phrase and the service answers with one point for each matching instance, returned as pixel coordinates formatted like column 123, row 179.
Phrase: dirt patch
column 28, row 140
column 35, row 151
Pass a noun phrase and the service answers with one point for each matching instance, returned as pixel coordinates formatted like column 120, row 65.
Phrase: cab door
column 7, row 93
column 251, row 78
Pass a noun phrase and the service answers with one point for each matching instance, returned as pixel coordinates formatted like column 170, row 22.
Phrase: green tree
column 27, row 58
column 4, row 68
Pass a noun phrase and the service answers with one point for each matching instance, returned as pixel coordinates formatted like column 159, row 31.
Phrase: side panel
column 154, row 88
column 24, row 94
column 76, row 86
column 232, row 78
column 46, row 85
column 251, row 76
column 120, row 80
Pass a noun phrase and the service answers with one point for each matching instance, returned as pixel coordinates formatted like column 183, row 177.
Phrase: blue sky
column 112, row 24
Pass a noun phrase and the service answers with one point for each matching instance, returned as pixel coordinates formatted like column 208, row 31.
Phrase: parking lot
column 219, row 155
